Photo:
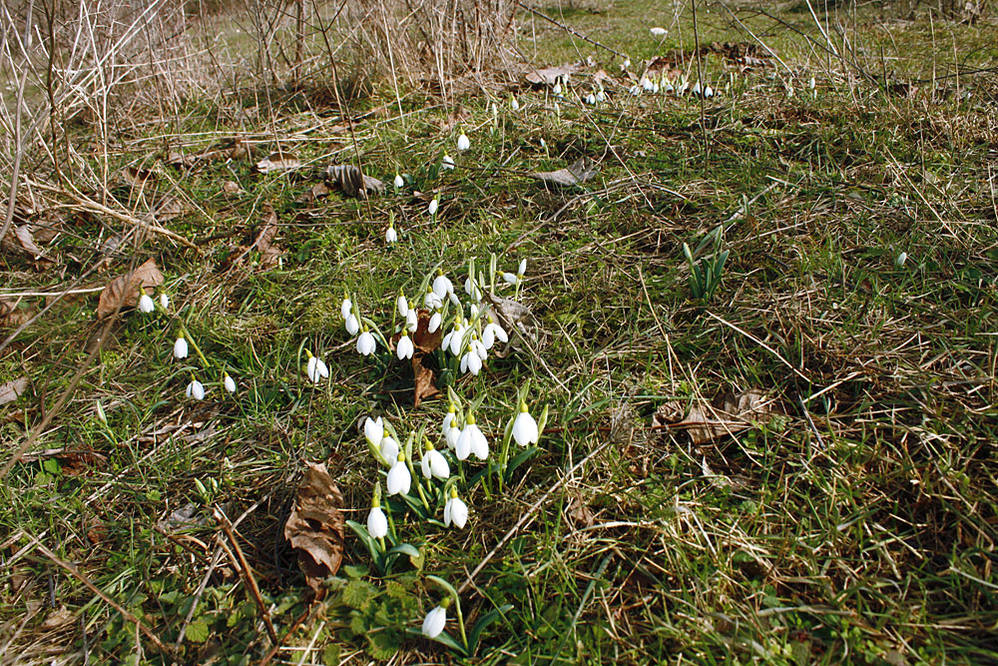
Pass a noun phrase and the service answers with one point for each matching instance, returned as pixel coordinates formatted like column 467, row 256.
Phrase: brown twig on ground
column 247, row 573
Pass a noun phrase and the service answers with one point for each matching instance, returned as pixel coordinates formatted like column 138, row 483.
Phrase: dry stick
column 247, row 572
column 525, row 518
column 18, row 139
column 568, row 29
column 696, row 45
column 763, row 345
column 100, row 593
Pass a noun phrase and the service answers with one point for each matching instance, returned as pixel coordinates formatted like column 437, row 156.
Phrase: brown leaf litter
column 123, row 291
column 727, row 414
column 315, row 527
column 278, row 162
column 577, row 172
column 12, row 390
column 424, row 343
column 352, row 181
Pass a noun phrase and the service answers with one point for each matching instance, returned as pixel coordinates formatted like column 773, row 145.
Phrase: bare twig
column 247, row 573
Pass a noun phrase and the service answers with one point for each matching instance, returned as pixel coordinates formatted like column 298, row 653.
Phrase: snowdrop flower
column 352, row 324
column 374, row 431
column 433, row 623
column 442, row 285
column 647, row 84
column 696, row 88
column 366, row 344
column 399, row 182
column 591, row 99
column 635, row 90
column 450, row 430
column 447, row 163
column 473, row 311
column 195, row 390
column 431, row 301
column 164, row 300
column 510, row 278
column 391, row 235
column 525, row 427
column 389, row 448
column 316, row 368
column 229, row 383
column 902, row 258
column 463, row 143
column 522, row 268
column 145, row 303
column 434, row 464
column 472, row 289
column 601, row 96
column 472, row 440
column 810, row 83
column 402, row 304
column 493, row 331
column 626, row 64
column 411, row 320
column 434, row 323
column 557, row 89
column 180, row 348
column 399, row 478
column 432, row 208
column 404, row 349
column 377, row 522
column 513, row 104
column 479, row 348
column 471, row 362
column 708, row 92
column 346, row 307
column 658, row 32
column 455, row 511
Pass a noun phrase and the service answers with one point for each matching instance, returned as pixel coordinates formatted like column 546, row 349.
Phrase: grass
column 855, row 523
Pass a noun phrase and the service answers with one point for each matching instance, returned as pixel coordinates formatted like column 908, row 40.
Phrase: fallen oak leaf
column 123, row 291
column 728, row 415
column 12, row 390
column 315, row 527
column 577, row 172
column 278, row 163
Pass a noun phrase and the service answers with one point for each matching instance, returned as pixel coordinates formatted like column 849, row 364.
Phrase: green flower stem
column 197, row 349
column 460, row 623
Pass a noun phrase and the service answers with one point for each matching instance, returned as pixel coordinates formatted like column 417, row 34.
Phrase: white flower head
column 658, row 32
column 366, row 344
column 433, row 464
column 391, row 235
column 434, row 205
column 377, row 523
column 463, row 143
column 316, row 369
column 374, row 431
column 433, row 623
column 389, row 448
column 145, row 303
column 229, row 383
column 399, row 479
column 493, row 331
column 472, row 440
column 442, row 286
column 431, row 300
column 591, row 99
column 412, row 321
column 471, row 362
column 435, row 319
column 195, row 390
column 402, row 304
column 510, row 278
column 352, row 325
column 902, row 258
column 404, row 349
column 525, row 427
column 346, row 307
column 455, row 511
column 513, row 103
column 399, row 182
column 164, row 300
column 447, row 163
column 180, row 348
column 522, row 268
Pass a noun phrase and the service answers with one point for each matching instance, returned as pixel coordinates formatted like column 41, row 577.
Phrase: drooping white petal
column 442, row 286
column 471, row 362
column 434, row 204
column 346, row 308
column 433, row 623
column 164, row 301
column 389, row 448
column 316, row 369
column 399, row 182
column 399, row 480
column 195, row 390
column 451, row 435
column 180, row 348
column 463, row 143
column 479, row 348
column 658, row 32
column 366, row 344
column 522, row 267
column 145, row 304
column 447, row 162
column 462, row 447
column 230, row 383
column 510, row 278
column 456, row 340
column 479, row 444
column 412, row 320
column 434, row 324
column 431, row 301
column 404, row 349
column 434, row 464
column 391, row 235
column 525, row 429
column 377, row 523
column 458, row 513
column 374, row 431
column 352, row 325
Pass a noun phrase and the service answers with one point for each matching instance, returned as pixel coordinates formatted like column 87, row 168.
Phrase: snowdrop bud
column 708, row 92
column 513, row 104
column 229, row 383
column 601, row 96
column 404, row 349
column 346, row 307
column 626, row 64
column 522, row 267
column 525, row 427
column 195, row 390
column 557, row 88
column 463, row 143
column 902, row 258
column 432, row 208
column 810, row 83
column 658, row 32
column 696, row 88
column 433, row 623
column 352, row 324
column 402, row 304
column 145, row 303
column 366, row 344
column 399, row 479
column 391, row 235
column 399, row 182
column 316, row 369
column 411, row 320
column 434, row 324
column 180, row 348
column 590, row 99
column 473, row 311
column 164, row 300
column 447, row 163
column 377, row 523
column 374, row 430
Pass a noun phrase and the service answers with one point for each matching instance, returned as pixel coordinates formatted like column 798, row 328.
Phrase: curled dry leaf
column 57, row 619
column 728, row 414
column 424, row 343
column 278, row 163
column 123, row 291
column 20, row 239
column 315, row 526
column 577, row 172
column 11, row 315
column 137, row 178
column 316, row 192
column 169, row 208
column 264, row 243
column 352, row 182
column 550, row 75
column 12, row 390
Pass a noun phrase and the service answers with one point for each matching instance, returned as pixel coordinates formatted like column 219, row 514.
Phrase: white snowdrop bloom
column 635, row 90
column 472, row 289
column 696, row 88
column 708, row 92
column 472, row 440
column 145, row 303
column 391, row 235
column 810, row 83
column 366, row 344
column 479, row 348
column 180, row 348
column 514, row 104
column 492, row 332
column 399, row 479
column 432, row 301
column 389, row 448
column 434, row 324
column 433, row 623
column 442, row 286
column 667, row 87
column 164, row 300
column 455, row 511
column 449, row 417
column 646, row 84
column 447, row 163
column 601, row 96
column 473, row 311
column 229, row 383
column 510, row 278
column 434, row 464
column 432, row 208
column 346, row 307
column 404, row 349
column 454, row 300
column 402, row 304
column 471, row 362
column 374, row 431
column 463, row 143
column 412, row 320
column 451, row 435
column 399, row 182
column 590, row 99
column 195, row 390
column 626, row 64
column 658, row 32
column 352, row 324
column 525, row 427
column 557, row 88
column 377, row 523
column 316, row 369
column 457, row 339
column 902, row 258
column 522, row 268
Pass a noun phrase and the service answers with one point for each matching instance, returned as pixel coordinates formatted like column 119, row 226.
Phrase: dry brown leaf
column 11, row 315
column 352, row 182
column 264, row 243
column 577, row 172
column 169, row 208
column 123, row 291
column 315, row 526
column 60, row 617
column 12, row 390
column 136, row 178
column 316, row 192
column 424, row 343
column 422, row 339
column 550, row 75
column 278, row 163
column 231, row 187
column 423, row 386
column 729, row 414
